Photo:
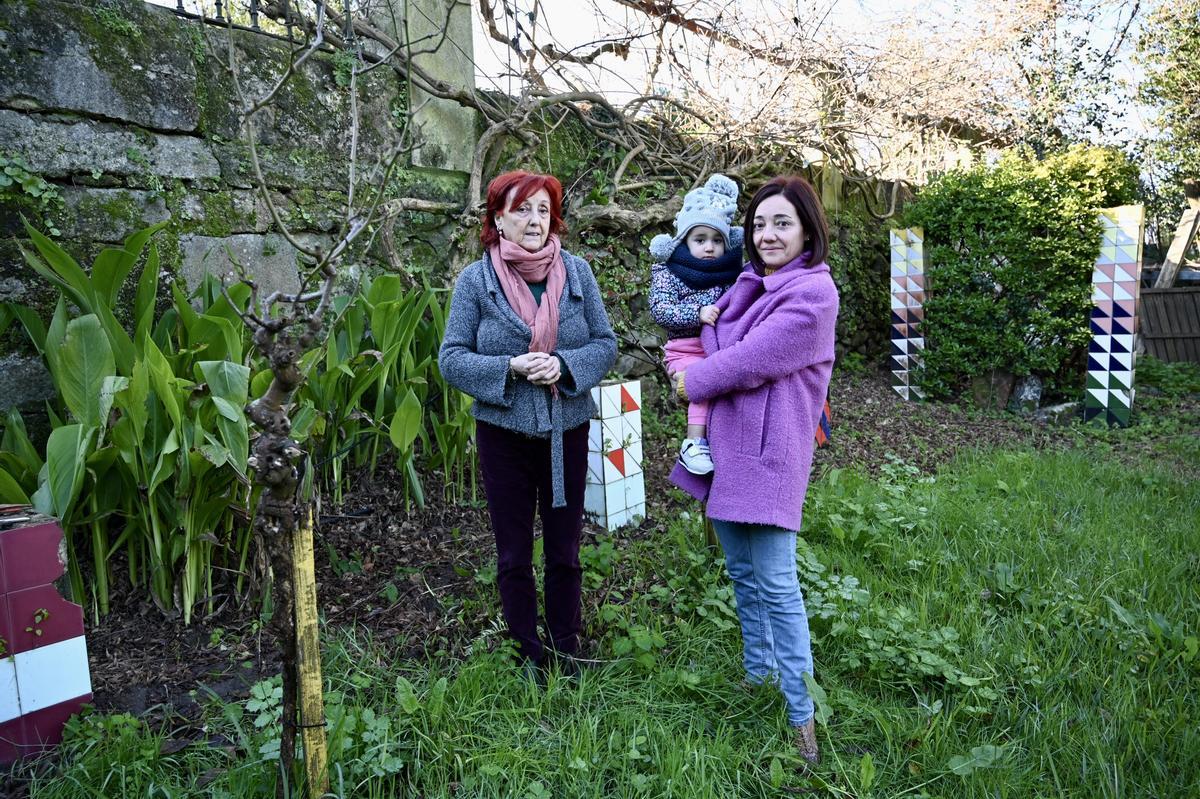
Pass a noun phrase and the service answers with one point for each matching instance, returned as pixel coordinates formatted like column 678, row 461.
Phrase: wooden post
column 1189, row 225
column 308, row 650
column 1185, row 234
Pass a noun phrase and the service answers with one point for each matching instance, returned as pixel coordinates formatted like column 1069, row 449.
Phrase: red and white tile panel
column 616, row 489
column 44, row 677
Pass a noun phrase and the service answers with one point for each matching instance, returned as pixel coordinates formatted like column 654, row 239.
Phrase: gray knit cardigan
column 483, row 333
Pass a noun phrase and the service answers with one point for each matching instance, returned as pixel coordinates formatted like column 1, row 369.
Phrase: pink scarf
column 517, row 267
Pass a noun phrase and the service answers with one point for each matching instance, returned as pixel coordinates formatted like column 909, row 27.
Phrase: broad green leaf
column 414, row 482
column 86, row 360
column 866, row 772
column 10, row 490
column 136, row 241
column 261, row 382
column 821, row 702
column 1120, row 611
column 122, row 345
column 35, row 328
column 228, row 380
column 406, row 696
column 215, row 453
column 132, row 400
column 981, row 757
column 109, row 271
column 54, row 338
column 16, row 440
column 66, row 452
column 187, row 314
column 220, row 338
column 302, row 421
column 163, row 379
column 385, row 288
column 108, row 391
column 165, row 466
column 59, row 268
column 406, row 422
column 229, row 386
column 147, row 294
column 227, row 409
column 776, row 773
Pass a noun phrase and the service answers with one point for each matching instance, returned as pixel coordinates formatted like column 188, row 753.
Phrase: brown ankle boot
column 806, row 742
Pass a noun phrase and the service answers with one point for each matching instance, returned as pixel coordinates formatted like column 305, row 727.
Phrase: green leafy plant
column 1172, row 379
column 1009, row 252
column 148, row 455
column 28, row 189
column 859, row 266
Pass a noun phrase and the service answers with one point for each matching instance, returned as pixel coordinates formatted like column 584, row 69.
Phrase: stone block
column 447, row 130
column 1026, row 396
column 23, row 380
column 1062, row 414
column 990, row 391
column 269, row 258
column 62, row 149
column 110, row 215
column 121, row 60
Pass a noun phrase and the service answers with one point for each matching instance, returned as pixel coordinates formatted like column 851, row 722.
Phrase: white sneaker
column 695, row 456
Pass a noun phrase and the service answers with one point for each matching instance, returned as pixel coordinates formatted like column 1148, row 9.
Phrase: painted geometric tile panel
column 44, row 676
column 908, row 300
column 615, row 494
column 1108, row 394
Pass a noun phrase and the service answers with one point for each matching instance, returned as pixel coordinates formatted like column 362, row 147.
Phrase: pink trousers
column 680, row 353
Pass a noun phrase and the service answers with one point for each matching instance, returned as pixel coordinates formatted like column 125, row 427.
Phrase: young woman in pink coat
column 766, row 377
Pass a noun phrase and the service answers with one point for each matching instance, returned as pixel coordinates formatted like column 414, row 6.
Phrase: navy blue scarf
column 704, row 273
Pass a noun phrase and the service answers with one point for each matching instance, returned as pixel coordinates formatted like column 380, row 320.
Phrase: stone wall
column 128, row 112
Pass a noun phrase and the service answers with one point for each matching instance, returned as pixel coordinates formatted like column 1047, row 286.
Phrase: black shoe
column 567, row 666
column 534, row 672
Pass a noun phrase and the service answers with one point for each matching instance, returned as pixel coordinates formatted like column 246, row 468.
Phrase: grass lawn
column 1020, row 624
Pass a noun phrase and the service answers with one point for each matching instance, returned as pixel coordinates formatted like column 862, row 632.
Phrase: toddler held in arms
column 692, row 270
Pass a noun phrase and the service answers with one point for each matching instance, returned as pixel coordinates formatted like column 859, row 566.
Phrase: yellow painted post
column 308, row 652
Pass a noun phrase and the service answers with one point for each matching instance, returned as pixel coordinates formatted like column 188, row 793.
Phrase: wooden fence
column 1171, row 323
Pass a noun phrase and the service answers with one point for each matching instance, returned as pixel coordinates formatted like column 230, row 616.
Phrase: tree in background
column 1169, row 51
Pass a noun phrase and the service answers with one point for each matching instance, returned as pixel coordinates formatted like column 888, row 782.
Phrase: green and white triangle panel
column 1109, row 389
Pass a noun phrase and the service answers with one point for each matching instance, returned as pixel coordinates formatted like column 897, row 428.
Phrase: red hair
column 510, row 190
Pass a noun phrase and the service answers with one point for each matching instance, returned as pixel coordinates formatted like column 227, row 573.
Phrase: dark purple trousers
column 516, row 478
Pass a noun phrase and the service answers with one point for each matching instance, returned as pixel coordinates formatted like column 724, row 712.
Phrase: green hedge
column 1009, row 250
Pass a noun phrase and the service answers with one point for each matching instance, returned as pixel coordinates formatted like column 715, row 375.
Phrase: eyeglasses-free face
column 528, row 224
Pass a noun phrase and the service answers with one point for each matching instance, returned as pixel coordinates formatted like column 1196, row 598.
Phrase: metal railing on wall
column 249, row 15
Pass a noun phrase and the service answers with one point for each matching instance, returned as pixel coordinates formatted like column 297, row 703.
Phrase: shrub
column 859, row 266
column 1009, row 252
column 1172, row 379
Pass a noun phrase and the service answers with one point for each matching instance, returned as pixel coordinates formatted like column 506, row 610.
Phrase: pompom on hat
column 714, row 204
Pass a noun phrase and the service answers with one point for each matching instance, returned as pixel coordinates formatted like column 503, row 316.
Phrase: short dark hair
column 803, row 197
column 522, row 185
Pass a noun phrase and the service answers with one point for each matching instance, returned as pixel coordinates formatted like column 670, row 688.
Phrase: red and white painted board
column 44, row 677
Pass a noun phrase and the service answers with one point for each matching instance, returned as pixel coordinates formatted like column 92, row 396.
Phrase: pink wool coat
column 766, row 376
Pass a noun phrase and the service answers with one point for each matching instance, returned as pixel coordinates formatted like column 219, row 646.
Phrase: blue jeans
column 775, row 639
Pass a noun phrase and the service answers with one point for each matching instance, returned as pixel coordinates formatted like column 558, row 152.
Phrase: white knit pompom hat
column 713, row 204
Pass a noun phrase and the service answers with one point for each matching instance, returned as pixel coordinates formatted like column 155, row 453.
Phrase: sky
column 575, row 23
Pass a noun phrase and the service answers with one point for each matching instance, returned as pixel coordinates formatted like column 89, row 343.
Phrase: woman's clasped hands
column 539, row 368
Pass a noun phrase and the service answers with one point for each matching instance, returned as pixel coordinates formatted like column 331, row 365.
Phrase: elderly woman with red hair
column 527, row 337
